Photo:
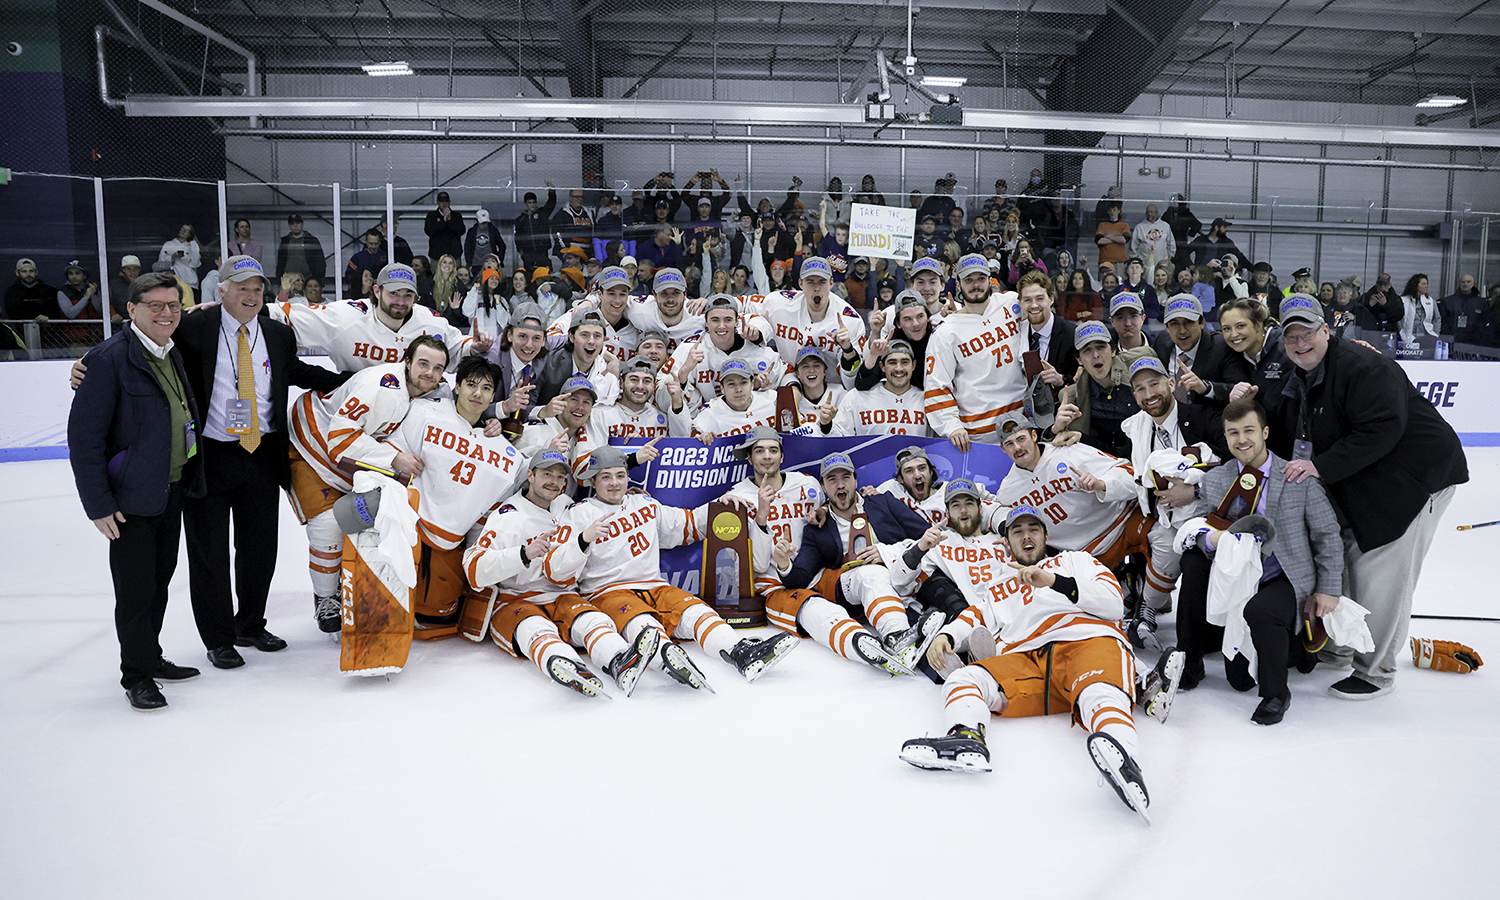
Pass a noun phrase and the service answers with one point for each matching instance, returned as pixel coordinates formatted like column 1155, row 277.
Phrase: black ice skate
column 962, row 749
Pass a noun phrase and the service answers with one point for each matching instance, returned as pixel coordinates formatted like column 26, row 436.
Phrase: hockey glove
column 1444, row 656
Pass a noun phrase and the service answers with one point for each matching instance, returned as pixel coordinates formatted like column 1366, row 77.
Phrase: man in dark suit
column 241, row 363
column 133, row 442
column 1050, row 337
column 1390, row 463
column 520, row 353
column 1203, row 366
column 865, row 523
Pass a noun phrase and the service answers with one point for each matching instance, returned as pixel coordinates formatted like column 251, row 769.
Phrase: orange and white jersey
column 646, row 316
column 974, row 374
column 807, row 410
column 352, row 423
column 354, row 338
column 793, row 328
column 718, row 419
column 800, row 494
column 1024, row 618
column 538, row 436
column 620, row 340
column 879, row 411
column 619, row 421
column 627, row 554
column 703, row 382
column 935, row 509
column 464, row 474
column 495, row 557
column 1076, row 519
column 975, row 563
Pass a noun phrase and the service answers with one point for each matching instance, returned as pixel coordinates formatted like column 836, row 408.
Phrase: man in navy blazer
column 820, row 560
column 133, row 442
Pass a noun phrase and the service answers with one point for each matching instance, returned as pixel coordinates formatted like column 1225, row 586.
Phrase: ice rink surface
column 468, row 774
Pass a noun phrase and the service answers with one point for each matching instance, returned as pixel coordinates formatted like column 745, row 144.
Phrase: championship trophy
column 861, row 538
column 1240, row 501
column 727, row 583
column 788, row 416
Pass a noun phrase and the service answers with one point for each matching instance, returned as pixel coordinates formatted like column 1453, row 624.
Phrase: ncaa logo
column 1061, row 468
column 661, row 419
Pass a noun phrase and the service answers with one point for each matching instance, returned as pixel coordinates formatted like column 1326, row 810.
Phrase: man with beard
column 665, row 310
column 739, row 410
column 973, row 368
column 582, row 354
column 782, row 503
column 838, row 560
column 895, row 406
column 1054, row 619
column 610, row 546
column 917, row 486
column 812, row 317
column 523, row 612
column 356, row 335
column 634, row 416
column 696, row 362
column 337, row 433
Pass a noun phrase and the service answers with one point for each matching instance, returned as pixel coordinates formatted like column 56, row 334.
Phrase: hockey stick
column 1457, row 618
column 1480, row 525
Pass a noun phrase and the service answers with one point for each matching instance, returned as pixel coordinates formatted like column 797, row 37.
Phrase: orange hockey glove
column 1444, row 656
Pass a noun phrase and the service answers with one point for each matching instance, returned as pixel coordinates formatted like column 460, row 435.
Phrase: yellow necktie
column 250, row 439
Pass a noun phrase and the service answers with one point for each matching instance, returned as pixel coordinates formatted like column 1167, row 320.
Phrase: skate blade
column 963, row 762
column 1107, row 759
column 683, row 671
column 784, row 646
column 876, row 656
column 1161, row 704
column 565, row 673
column 646, row 644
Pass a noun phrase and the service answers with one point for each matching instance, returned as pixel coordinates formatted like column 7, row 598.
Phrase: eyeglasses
column 157, row 306
column 1303, row 340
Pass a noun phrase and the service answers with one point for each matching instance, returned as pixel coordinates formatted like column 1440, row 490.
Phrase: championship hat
column 669, row 278
column 735, row 367
column 394, row 275
column 833, row 462
column 356, row 512
column 1301, row 308
column 548, row 458
column 927, row 264
column 1125, row 300
column 815, row 266
column 961, row 487
column 579, row 383
column 1183, row 306
column 807, row 353
column 1089, row 332
column 757, row 434
column 612, row 276
column 1022, row 511
column 1147, row 364
column 971, row 263
column 603, row 458
column 243, row 268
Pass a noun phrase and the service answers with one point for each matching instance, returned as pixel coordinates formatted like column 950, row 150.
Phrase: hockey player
column 523, row 611
column 356, row 335
column 696, row 362
column 464, row 477
column 612, row 302
column 817, row 400
column 917, row 486
column 562, row 422
column 855, row 574
column 739, row 410
column 1158, row 434
column 973, row 366
column 610, row 547
column 911, row 324
column 894, row 406
column 782, row 501
column 1054, row 619
column 664, row 310
column 1087, row 496
column 812, row 317
column 333, row 434
column 635, row 416
column 583, row 354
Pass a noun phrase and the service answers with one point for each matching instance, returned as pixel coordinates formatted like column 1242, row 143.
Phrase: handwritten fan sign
column 884, row 231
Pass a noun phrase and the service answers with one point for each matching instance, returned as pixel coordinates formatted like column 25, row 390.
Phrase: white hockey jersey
column 800, row 494
column 935, row 508
column 352, row 423
column 974, row 563
column 793, row 328
column 618, row 421
column 703, row 382
column 878, row 411
column 1025, row 618
column 974, row 373
column 645, row 316
column 354, row 338
column 495, row 557
column 627, row 555
column 464, row 476
column 807, row 410
column 1076, row 519
column 718, row 419
column 620, row 340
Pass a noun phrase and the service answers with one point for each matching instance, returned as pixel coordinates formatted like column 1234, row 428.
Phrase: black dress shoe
column 225, row 658
column 166, row 670
column 260, row 639
column 1192, row 674
column 146, row 697
column 1272, row 709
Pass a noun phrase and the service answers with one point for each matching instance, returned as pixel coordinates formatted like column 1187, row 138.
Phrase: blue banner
column 689, row 474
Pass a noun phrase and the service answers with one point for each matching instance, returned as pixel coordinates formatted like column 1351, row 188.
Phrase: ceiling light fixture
column 385, row 69
column 943, row 81
column 1440, row 101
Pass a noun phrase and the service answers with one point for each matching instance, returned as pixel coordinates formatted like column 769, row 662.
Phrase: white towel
column 1187, row 535
column 1175, row 464
column 1346, row 626
column 389, row 543
column 1235, row 578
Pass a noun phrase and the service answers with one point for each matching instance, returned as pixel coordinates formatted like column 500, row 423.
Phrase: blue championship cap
column 579, row 383
column 548, row 458
column 1301, row 308
column 807, row 353
column 669, row 278
column 1021, row 511
column 735, row 367
column 397, row 276
column 1147, row 364
column 1088, row 333
column 833, row 462
column 1125, row 300
column 611, row 276
column 971, row 263
column 1183, row 306
column 927, row 264
column 235, row 268
column 816, row 266
column 961, row 487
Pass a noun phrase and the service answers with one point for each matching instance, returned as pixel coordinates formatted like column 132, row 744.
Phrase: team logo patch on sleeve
column 359, row 305
column 849, row 311
column 1062, row 468
column 390, row 381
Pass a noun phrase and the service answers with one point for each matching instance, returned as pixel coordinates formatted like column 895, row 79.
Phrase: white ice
column 469, row 774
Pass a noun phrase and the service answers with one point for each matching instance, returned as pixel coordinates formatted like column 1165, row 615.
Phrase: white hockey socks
column 1106, row 708
column 887, row 616
column 537, row 639
column 829, row 625
column 594, row 632
column 325, row 552
column 705, row 626
column 972, row 694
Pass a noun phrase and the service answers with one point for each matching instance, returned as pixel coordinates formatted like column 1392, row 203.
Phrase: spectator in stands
column 953, row 229
column 300, row 251
column 532, row 229
column 1325, row 293
column 1109, row 285
column 119, row 286
column 29, row 297
column 486, row 305
column 1228, row 285
column 1161, row 280
column 184, row 255
column 208, row 288
column 575, row 223
column 402, row 250
column 367, row 286
column 1185, row 227
column 705, row 182
column 1053, row 224
column 292, row 287
column 136, row 404
column 1079, row 302
column 1420, row 317
column 1112, row 236
column 483, row 239
column 609, row 222
column 371, row 257
column 445, row 229
column 422, row 268
column 1216, row 244
column 1135, row 282
column 867, row 192
column 1188, row 283
column 78, row 301
column 1263, row 287
column 659, row 190
column 1466, row 315
column 1152, row 239
column 1383, row 307
column 941, row 201
column 1112, row 197
column 1341, row 312
column 705, row 224
column 242, row 244
column 312, row 292
column 637, row 212
column 664, row 249
column 1023, row 260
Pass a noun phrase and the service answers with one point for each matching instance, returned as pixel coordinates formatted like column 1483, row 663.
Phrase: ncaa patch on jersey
column 1061, row 468
column 390, row 381
column 661, row 419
